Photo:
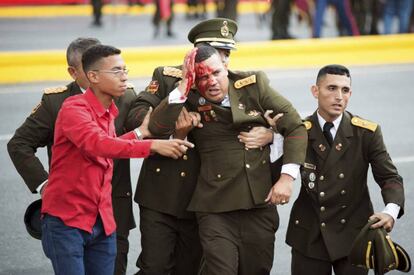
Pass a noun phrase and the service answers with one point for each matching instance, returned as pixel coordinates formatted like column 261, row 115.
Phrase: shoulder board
column 130, row 85
column 55, row 90
column 245, row 81
column 174, row 72
column 308, row 124
column 357, row 121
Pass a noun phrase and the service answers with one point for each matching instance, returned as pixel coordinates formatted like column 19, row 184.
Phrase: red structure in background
column 66, row 2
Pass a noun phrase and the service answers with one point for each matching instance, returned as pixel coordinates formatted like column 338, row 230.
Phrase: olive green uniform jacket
column 164, row 184
column 231, row 177
column 38, row 131
column 334, row 203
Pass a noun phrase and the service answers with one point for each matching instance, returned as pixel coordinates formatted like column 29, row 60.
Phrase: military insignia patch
column 173, row 72
column 201, row 101
column 55, row 90
column 153, row 87
column 312, row 177
column 372, row 126
column 309, row 166
column 35, row 108
column 322, row 147
column 311, row 185
column 245, row 81
column 253, row 113
column 224, row 30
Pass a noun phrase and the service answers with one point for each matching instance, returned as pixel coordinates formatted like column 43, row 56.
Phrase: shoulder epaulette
column 357, row 121
column 245, row 81
column 308, row 124
column 55, row 90
column 130, row 85
column 171, row 71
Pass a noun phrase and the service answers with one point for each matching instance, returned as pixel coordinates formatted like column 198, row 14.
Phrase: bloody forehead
column 202, row 69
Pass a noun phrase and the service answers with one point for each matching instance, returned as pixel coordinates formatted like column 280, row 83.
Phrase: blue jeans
column 74, row 251
column 344, row 12
column 401, row 9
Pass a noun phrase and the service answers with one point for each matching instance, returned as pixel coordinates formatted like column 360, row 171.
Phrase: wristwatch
column 138, row 134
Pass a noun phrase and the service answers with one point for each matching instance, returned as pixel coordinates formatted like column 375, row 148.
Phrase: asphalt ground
column 381, row 92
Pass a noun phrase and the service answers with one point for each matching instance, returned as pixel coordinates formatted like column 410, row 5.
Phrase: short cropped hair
column 95, row 54
column 204, row 52
column 78, row 47
column 332, row 69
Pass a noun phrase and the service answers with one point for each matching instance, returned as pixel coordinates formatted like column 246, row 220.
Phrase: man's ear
column 72, row 72
column 315, row 91
column 92, row 76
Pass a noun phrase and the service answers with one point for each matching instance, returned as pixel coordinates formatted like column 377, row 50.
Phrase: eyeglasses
column 117, row 73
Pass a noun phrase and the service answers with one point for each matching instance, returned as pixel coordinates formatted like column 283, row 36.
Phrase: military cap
column 374, row 249
column 32, row 219
column 218, row 32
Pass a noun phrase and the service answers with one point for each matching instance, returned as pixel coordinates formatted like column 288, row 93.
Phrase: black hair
column 332, row 69
column 204, row 52
column 78, row 47
column 95, row 54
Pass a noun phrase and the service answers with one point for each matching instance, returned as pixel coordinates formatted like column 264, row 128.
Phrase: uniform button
column 321, row 178
column 218, row 176
column 341, row 176
column 343, row 206
column 322, row 208
column 158, row 170
column 323, row 224
column 322, row 194
column 343, row 221
column 182, row 174
column 263, row 162
column 247, row 165
column 261, row 148
column 343, row 192
column 297, row 222
column 245, row 148
column 128, row 194
column 185, row 157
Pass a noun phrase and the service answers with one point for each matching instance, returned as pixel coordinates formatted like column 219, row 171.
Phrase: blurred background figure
column 367, row 13
column 280, row 19
column 164, row 13
column 227, row 9
column 97, row 12
column 196, row 9
column 411, row 27
column 400, row 9
column 344, row 12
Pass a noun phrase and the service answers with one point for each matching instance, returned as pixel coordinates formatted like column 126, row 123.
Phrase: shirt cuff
column 276, row 148
column 392, row 209
column 292, row 169
column 41, row 186
column 176, row 97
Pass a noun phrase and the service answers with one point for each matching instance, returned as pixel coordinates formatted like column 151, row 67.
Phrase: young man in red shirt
column 78, row 227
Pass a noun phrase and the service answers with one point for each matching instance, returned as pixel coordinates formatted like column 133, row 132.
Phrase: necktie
column 327, row 132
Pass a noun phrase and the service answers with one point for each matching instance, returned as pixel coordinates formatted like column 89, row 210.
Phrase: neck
column 104, row 98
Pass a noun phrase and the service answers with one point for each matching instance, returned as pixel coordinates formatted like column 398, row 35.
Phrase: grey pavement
column 381, row 93
column 128, row 31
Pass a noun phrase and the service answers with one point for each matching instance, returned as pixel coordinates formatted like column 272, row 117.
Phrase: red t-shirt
column 79, row 186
